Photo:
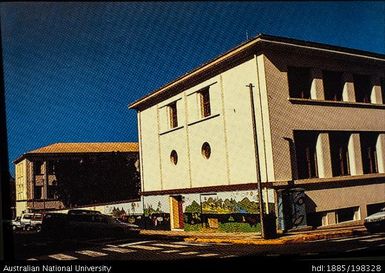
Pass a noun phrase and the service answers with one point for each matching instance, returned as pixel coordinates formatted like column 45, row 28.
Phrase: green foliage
column 238, row 227
column 194, row 227
column 217, row 205
column 225, row 227
column 193, row 208
column 248, row 206
column 150, row 210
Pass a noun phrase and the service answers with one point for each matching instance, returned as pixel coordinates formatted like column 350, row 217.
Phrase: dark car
column 375, row 222
column 86, row 225
column 82, row 212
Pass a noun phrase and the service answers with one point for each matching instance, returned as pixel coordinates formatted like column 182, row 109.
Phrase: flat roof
column 259, row 39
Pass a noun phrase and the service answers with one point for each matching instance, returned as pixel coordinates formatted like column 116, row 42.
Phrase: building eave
column 69, row 154
column 67, row 149
column 260, row 40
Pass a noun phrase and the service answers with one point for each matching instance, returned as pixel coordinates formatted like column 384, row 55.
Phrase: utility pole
column 259, row 184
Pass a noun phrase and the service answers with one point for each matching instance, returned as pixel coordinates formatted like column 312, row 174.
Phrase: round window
column 174, row 157
column 206, row 150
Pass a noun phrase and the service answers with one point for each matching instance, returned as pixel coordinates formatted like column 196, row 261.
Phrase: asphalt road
column 370, row 246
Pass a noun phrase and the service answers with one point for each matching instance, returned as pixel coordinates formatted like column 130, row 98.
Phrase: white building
column 320, row 127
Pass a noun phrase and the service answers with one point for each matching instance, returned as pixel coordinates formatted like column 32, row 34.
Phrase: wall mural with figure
column 225, row 211
column 192, row 212
column 156, row 212
column 128, row 212
column 131, row 212
column 222, row 211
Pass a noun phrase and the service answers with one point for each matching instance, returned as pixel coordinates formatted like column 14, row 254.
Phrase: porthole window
column 206, row 150
column 174, row 157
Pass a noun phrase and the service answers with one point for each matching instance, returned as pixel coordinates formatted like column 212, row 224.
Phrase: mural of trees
column 150, row 210
column 193, row 208
column 217, row 205
column 247, row 206
column 116, row 212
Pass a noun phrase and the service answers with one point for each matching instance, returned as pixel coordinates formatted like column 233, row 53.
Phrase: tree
column 248, row 206
column 193, row 208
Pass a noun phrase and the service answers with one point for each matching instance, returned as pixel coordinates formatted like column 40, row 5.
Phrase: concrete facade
column 26, row 180
column 232, row 167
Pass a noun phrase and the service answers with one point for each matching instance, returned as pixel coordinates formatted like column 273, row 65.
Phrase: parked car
column 82, row 212
column 29, row 221
column 16, row 224
column 376, row 221
column 85, row 224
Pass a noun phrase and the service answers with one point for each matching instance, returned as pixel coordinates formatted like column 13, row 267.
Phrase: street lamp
column 259, row 184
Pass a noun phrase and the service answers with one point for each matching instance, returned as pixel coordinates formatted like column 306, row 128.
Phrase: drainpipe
column 259, row 184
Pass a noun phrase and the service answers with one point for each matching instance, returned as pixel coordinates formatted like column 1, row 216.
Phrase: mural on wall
column 128, row 212
column 291, row 209
column 130, row 208
column 192, row 211
column 219, row 206
column 225, row 211
column 156, row 212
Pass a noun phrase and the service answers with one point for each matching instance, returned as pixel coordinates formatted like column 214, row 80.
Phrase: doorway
column 176, row 212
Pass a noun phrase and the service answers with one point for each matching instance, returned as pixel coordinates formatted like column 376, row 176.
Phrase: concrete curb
column 293, row 239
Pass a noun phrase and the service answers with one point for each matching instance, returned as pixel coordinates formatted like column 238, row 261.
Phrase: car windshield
column 37, row 217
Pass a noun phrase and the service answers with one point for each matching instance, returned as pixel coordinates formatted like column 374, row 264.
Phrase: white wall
column 21, row 186
column 228, row 131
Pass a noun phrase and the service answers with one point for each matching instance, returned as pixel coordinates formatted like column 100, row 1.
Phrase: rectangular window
column 339, row 153
column 369, row 152
column 305, row 147
column 299, row 82
column 373, row 208
column 37, row 193
column 173, row 115
column 50, row 167
column 333, row 85
column 347, row 214
column 317, row 219
column 37, row 167
column 51, row 192
column 383, row 90
column 362, row 88
column 204, row 97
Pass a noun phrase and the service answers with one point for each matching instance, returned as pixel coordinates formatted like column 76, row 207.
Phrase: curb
column 293, row 239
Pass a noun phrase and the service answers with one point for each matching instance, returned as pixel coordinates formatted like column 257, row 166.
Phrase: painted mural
column 129, row 212
column 291, row 209
column 156, row 212
column 224, row 211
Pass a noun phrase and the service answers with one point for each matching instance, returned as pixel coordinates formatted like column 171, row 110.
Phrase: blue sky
column 71, row 69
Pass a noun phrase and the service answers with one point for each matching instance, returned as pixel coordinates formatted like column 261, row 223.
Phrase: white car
column 16, row 224
column 31, row 221
column 375, row 222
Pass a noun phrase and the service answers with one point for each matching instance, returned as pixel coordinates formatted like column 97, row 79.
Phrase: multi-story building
column 40, row 172
column 318, row 139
